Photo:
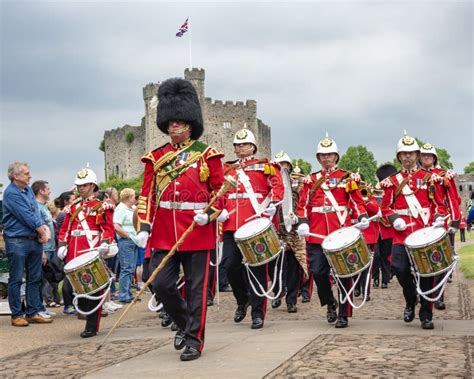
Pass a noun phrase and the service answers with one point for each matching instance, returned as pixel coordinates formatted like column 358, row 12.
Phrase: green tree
column 129, row 137
column 303, row 165
column 102, row 146
column 358, row 158
column 469, row 169
column 120, row 184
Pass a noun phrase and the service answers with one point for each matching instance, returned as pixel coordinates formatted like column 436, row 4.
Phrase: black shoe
column 376, row 283
column 162, row 313
column 190, row 354
column 342, row 322
column 357, row 292
column 174, row 327
column 88, row 333
column 306, row 299
column 368, row 298
column 226, row 288
column 180, row 340
column 291, row 308
column 384, row 286
column 331, row 314
column 276, row 303
column 409, row 313
column 240, row 312
column 257, row 323
column 210, row 303
column 427, row 324
column 166, row 320
column 440, row 305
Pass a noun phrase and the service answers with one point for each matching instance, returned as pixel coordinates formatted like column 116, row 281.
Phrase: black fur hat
column 385, row 171
column 178, row 100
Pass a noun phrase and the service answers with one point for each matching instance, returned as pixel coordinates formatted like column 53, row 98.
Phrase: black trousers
column 363, row 275
column 383, row 250
column 223, row 281
column 238, row 278
column 401, row 266
column 462, row 234
column 92, row 320
column 189, row 313
column 320, row 269
column 291, row 276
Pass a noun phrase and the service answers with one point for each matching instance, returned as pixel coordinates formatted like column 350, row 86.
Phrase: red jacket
column 450, row 194
column 428, row 193
column 371, row 234
column 91, row 214
column 177, row 180
column 266, row 182
column 316, row 208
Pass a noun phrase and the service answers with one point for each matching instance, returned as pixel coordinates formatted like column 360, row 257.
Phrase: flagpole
column 190, row 53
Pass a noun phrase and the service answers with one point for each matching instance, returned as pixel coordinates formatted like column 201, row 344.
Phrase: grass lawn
column 467, row 261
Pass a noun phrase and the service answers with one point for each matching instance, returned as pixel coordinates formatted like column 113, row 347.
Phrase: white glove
column 142, row 238
column 452, row 230
column 201, row 218
column 270, row 211
column 400, row 224
column 112, row 252
column 62, row 252
column 363, row 223
column 303, row 230
column 439, row 222
column 103, row 248
column 224, row 216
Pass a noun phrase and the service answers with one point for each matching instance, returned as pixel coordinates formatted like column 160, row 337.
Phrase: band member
column 295, row 254
column 179, row 180
column 412, row 199
column 259, row 187
column 429, row 162
column 323, row 207
column 88, row 224
column 383, row 249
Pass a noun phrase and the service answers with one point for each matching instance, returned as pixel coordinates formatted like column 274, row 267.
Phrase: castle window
column 116, row 170
column 470, row 187
column 460, row 188
column 227, row 124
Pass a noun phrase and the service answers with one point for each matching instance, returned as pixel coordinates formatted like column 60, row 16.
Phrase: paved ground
column 377, row 343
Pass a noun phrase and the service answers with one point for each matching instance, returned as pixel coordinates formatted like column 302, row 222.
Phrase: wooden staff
column 229, row 182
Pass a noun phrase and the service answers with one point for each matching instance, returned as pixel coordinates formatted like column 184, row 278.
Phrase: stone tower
column 222, row 119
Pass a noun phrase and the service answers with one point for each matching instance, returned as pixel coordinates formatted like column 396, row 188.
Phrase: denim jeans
column 128, row 261
column 24, row 255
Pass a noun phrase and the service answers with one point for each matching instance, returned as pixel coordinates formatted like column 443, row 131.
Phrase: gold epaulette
column 269, row 168
column 213, row 152
column 148, row 157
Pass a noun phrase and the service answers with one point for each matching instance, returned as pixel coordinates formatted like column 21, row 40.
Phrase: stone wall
column 465, row 183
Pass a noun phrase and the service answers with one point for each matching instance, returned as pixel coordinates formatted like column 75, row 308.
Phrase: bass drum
column 285, row 212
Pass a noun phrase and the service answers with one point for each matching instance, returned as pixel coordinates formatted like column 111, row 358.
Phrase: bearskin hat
column 385, row 171
column 178, row 100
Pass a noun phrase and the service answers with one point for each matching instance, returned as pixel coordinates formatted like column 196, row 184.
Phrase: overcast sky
column 363, row 71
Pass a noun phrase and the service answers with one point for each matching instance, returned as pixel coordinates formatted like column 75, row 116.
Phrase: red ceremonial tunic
column 91, row 214
column 450, row 194
column 178, row 180
column 371, row 234
column 315, row 205
column 265, row 179
column 428, row 193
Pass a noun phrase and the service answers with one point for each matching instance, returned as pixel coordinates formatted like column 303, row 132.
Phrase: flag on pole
column 183, row 28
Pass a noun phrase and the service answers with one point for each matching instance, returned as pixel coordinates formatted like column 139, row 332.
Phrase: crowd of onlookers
column 36, row 273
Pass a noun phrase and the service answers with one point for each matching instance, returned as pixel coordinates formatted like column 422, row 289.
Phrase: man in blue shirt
column 24, row 232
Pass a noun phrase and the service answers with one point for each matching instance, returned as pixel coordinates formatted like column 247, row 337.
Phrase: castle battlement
column 222, row 119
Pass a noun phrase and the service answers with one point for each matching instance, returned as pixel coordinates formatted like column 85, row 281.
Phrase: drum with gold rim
column 87, row 273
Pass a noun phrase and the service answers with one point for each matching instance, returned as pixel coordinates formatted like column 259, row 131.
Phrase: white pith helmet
column 326, row 146
column 428, row 148
column 283, row 157
column 86, row 175
column 407, row 144
column 245, row 136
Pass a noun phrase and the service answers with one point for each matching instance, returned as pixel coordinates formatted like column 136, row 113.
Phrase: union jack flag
column 183, row 28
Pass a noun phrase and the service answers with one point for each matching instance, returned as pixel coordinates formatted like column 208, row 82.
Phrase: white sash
column 90, row 239
column 327, row 192
column 415, row 207
column 245, row 180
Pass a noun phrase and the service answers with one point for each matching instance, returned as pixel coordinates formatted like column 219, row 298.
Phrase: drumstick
column 94, row 248
column 369, row 219
column 229, row 182
column 317, row 235
column 257, row 215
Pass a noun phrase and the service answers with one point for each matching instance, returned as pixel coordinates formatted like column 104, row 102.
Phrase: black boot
column 409, row 313
column 291, row 308
column 440, row 305
column 427, row 324
column 276, row 303
column 179, row 339
column 331, row 314
column 190, row 354
column 342, row 322
column 257, row 323
column 240, row 312
column 376, row 283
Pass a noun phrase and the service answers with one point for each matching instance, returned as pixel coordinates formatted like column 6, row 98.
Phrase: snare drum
column 87, row 273
column 258, row 241
column 346, row 252
column 430, row 251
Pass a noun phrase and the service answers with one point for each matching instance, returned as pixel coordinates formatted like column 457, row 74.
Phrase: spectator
column 42, row 192
column 470, row 217
column 462, row 228
column 126, row 236
column 24, row 233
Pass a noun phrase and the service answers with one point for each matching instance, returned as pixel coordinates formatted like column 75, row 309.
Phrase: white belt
column 244, row 196
column 329, row 209
column 407, row 212
column 79, row 233
column 182, row 206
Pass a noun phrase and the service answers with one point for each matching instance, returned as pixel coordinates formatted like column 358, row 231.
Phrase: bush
column 120, row 184
column 129, row 137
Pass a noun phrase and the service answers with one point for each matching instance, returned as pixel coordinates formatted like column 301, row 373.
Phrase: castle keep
column 124, row 146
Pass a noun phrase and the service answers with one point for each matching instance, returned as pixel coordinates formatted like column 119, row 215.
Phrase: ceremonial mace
column 229, row 182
